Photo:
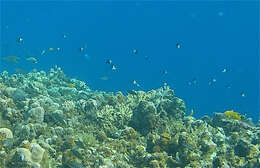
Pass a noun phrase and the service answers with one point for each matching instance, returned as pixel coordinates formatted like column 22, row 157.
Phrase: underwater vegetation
column 48, row 120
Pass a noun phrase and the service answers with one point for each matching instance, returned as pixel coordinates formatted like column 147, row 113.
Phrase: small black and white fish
column 147, row 58
column 81, row 49
column 243, row 94
column 43, row 52
column 135, row 83
column 178, row 45
column 212, row 81
column 86, row 56
column 165, row 84
column 133, row 92
column 193, row 81
column 135, row 51
column 20, row 40
column 109, row 61
column 113, row 67
column 228, row 86
column 224, row 70
column 164, row 72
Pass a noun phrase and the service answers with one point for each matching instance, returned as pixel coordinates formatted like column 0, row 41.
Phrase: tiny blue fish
column 87, row 57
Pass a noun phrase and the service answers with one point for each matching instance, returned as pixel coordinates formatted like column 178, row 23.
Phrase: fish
column 70, row 85
column 224, row 70
column 87, row 57
column 164, row 72
column 51, row 49
column 32, row 59
column 113, row 67
column 135, row 51
column 104, row 78
column 212, row 81
column 228, row 86
column 193, row 81
column 43, row 52
column 12, row 58
column 242, row 94
column 135, row 83
column 19, row 71
column 109, row 61
column 191, row 112
column 19, row 39
column 188, row 147
column 81, row 49
column 178, row 45
column 165, row 83
column 132, row 92
column 147, row 58
column 80, row 144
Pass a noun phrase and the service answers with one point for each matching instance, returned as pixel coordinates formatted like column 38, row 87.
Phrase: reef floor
column 49, row 120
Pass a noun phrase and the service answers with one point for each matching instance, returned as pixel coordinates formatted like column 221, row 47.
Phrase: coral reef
column 48, row 120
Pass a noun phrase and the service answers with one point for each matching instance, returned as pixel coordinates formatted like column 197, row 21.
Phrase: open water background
column 213, row 36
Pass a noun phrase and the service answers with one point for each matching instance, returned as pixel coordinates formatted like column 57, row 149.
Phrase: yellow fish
column 71, row 85
column 232, row 115
column 51, row 49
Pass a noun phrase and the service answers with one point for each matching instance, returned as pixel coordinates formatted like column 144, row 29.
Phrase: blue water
column 212, row 36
